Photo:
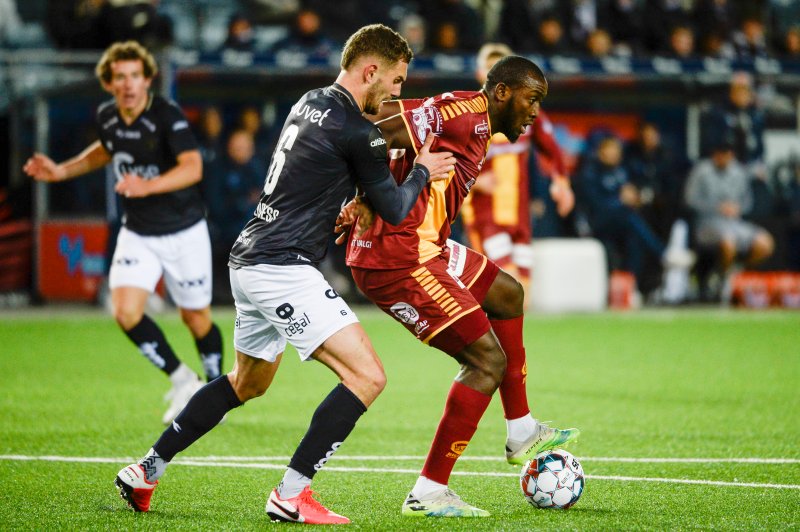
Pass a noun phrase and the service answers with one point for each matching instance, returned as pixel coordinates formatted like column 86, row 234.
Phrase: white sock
column 522, row 428
column 182, row 374
column 292, row 484
column 425, row 487
column 153, row 465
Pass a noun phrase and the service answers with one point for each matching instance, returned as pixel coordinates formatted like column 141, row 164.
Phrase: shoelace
column 307, row 497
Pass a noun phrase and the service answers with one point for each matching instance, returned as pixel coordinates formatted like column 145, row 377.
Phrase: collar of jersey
column 146, row 108
column 346, row 94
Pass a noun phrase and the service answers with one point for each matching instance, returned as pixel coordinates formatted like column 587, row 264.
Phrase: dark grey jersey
column 326, row 148
column 148, row 147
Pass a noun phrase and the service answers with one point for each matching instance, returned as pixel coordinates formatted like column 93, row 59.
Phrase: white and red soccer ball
column 552, row 479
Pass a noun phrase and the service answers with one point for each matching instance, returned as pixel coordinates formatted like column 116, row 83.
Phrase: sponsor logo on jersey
column 306, row 112
column 297, row 325
column 285, row 311
column 380, row 141
column 330, row 293
column 420, row 327
column 358, row 243
column 482, row 129
column 266, row 213
column 122, row 163
column 180, row 124
column 425, row 119
column 468, row 184
column 405, row 312
column 244, row 238
column 128, row 134
column 456, row 448
column 193, row 283
column 149, row 125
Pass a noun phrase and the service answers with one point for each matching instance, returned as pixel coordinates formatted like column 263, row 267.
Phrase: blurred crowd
column 678, row 28
column 641, row 197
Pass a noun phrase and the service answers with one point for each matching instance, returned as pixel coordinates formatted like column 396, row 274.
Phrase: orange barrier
column 766, row 289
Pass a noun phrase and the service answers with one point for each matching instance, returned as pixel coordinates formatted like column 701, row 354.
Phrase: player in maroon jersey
column 446, row 294
column 496, row 214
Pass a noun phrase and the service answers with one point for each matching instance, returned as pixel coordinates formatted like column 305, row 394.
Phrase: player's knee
column 368, row 384
column 247, row 389
column 198, row 321
column 511, row 297
column 127, row 318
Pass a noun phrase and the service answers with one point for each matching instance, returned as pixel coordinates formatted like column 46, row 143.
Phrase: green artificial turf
column 662, row 387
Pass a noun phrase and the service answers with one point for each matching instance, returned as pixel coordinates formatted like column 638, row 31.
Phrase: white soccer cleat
column 445, row 503
column 544, row 439
column 302, row 509
column 179, row 396
column 134, row 488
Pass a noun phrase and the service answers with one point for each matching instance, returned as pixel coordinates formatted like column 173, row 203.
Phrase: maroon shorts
column 439, row 302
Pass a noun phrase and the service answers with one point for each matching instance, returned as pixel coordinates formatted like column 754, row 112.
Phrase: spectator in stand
column 517, row 26
column 790, row 48
column 660, row 16
column 624, row 23
column 740, row 121
column 750, row 41
column 453, row 25
column 209, row 134
column 658, row 175
column 783, row 16
column 307, row 36
column 610, row 200
column 581, row 18
column 714, row 17
column 550, row 37
column 713, row 44
column 718, row 191
column 240, row 36
column 599, row 44
column 412, row 28
column 250, row 120
column 681, row 43
column 234, row 185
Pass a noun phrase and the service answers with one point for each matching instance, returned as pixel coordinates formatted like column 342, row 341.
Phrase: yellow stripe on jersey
column 435, row 217
column 505, row 197
column 436, row 291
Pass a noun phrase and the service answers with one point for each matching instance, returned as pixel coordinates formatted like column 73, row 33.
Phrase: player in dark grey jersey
column 326, row 148
column 157, row 165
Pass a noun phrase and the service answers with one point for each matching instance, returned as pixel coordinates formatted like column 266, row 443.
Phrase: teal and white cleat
column 545, row 439
column 443, row 504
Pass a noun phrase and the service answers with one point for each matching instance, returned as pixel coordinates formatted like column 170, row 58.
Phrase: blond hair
column 125, row 51
column 492, row 50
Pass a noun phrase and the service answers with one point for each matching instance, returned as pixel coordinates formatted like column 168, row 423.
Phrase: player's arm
column 43, row 168
column 186, row 173
column 396, row 133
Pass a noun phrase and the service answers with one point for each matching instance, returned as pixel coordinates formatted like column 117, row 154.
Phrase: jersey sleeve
column 178, row 133
column 368, row 158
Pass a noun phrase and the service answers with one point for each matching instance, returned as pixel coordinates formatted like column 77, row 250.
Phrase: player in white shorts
column 164, row 229
column 280, row 304
column 326, row 148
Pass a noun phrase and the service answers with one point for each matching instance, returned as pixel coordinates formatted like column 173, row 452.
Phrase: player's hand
column 132, row 186
column 439, row 164
column 358, row 212
column 43, row 168
column 729, row 209
column 629, row 195
column 562, row 194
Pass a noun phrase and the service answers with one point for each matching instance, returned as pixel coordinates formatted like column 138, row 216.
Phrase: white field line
column 210, row 462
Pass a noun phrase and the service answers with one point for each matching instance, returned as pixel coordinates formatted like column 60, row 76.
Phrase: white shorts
column 276, row 304
column 184, row 258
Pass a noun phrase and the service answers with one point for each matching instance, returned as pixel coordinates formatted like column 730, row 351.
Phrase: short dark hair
column 378, row 40
column 514, row 71
column 125, row 51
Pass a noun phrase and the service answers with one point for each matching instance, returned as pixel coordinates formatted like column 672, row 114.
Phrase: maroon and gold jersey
column 460, row 123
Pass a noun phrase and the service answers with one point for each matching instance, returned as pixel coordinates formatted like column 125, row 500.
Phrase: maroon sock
column 462, row 412
column 512, row 390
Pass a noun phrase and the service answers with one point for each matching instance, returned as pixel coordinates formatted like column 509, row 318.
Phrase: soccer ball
column 552, row 479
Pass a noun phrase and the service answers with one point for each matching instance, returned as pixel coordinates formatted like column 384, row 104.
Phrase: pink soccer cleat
column 302, row 509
